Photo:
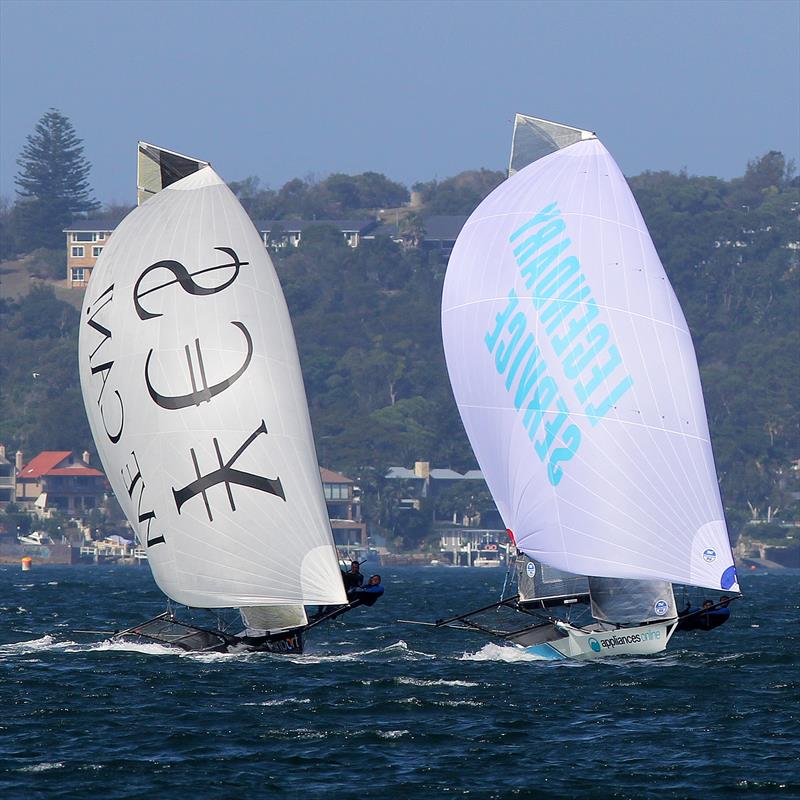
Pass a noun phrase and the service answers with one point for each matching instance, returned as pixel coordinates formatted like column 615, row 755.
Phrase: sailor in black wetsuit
column 707, row 618
column 714, row 616
column 367, row 595
column 353, row 579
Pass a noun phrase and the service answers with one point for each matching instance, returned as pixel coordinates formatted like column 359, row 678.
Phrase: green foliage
column 729, row 249
column 47, row 264
column 40, row 402
column 15, row 522
column 52, row 182
column 338, row 196
column 367, row 324
column 459, row 194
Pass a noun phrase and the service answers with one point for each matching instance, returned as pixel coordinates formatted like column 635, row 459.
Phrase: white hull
column 584, row 645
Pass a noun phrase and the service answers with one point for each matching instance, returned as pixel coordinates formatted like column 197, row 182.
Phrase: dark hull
column 167, row 631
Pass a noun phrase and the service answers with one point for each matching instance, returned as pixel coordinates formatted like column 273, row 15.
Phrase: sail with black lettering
column 192, row 385
column 575, row 375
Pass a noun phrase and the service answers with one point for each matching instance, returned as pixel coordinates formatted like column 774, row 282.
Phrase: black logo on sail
column 228, row 475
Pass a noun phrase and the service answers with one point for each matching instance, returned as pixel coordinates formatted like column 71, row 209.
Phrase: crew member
column 353, row 579
column 367, row 595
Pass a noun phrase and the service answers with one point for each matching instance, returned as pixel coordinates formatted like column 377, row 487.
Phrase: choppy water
column 378, row 709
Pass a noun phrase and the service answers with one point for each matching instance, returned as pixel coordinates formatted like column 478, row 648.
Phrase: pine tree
column 52, row 182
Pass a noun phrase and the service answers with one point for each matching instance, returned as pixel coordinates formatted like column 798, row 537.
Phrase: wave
column 399, row 648
column 44, row 766
column 441, row 682
column 33, row 646
column 281, row 701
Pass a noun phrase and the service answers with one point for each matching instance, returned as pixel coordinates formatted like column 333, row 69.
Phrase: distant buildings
column 280, row 233
column 85, row 241
column 344, row 512
column 60, row 480
column 468, row 541
column 8, row 479
column 87, row 238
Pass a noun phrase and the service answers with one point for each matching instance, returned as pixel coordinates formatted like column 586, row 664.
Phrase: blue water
column 378, row 709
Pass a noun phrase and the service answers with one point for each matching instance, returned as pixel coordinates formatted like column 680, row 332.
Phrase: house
column 58, row 479
column 8, row 479
column 344, row 510
column 441, row 232
column 422, row 480
column 278, row 233
column 437, row 233
column 86, row 239
column 462, row 541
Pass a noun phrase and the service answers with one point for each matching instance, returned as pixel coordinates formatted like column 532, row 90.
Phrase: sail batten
column 575, row 375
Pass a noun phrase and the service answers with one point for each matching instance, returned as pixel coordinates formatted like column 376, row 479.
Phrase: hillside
column 367, row 327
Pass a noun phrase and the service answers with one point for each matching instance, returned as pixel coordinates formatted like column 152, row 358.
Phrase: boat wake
column 497, row 652
column 29, row 646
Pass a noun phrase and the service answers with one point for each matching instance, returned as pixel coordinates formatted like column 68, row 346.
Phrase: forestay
column 193, row 390
column 575, row 376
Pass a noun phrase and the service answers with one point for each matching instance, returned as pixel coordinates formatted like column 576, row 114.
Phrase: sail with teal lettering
column 575, row 375
column 192, row 385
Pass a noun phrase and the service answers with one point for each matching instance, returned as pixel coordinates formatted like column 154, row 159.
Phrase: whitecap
column 398, row 647
column 392, row 734
column 457, row 703
column 440, row 682
column 282, row 702
column 43, row 766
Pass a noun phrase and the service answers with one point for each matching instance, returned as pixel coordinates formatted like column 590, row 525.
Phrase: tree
column 53, row 182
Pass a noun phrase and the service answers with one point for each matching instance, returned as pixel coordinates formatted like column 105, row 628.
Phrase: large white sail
column 193, row 390
column 576, row 378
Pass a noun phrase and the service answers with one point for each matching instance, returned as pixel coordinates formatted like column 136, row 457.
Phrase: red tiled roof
column 329, row 476
column 76, row 470
column 43, row 463
column 48, row 461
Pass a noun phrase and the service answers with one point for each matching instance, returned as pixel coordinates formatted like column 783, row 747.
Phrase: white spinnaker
column 203, row 466
column 623, row 482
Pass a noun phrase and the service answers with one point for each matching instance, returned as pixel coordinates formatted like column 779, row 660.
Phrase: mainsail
column 575, row 374
column 193, row 390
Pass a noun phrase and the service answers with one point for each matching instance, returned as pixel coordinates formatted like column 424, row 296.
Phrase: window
column 78, row 274
column 77, row 252
column 96, row 251
column 101, row 236
column 335, row 491
column 83, row 236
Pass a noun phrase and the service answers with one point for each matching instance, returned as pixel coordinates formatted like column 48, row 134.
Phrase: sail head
column 535, row 138
column 157, row 168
